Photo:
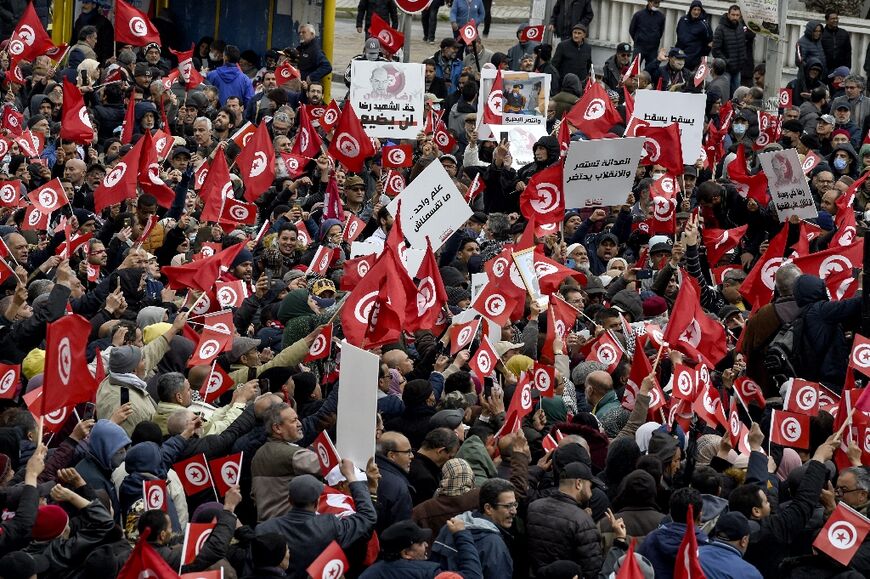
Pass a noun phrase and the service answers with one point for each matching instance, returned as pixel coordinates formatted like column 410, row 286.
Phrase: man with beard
column 224, row 124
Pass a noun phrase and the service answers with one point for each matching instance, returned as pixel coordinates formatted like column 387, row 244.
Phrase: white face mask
column 657, row 176
column 739, row 128
column 654, row 8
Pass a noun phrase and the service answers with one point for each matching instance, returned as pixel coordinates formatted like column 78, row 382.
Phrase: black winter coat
column 646, row 30
column 558, row 528
column 567, row 13
column 571, row 58
column 729, row 42
column 694, row 36
column 837, row 47
column 386, row 9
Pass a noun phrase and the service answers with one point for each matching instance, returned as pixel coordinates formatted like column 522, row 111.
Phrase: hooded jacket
column 694, row 35
column 147, row 461
column 852, row 168
column 729, row 42
column 661, row 547
column 825, row 321
column 568, row 95
column 551, row 144
column 106, row 439
column 474, row 451
column 809, row 48
column 231, row 81
column 495, row 557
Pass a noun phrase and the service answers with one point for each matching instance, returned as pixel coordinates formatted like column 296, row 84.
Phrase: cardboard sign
column 660, row 109
column 789, row 190
column 600, row 173
column 432, row 207
column 526, row 96
column 357, row 404
column 388, row 98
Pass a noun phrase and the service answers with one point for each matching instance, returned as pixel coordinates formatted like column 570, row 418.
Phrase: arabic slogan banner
column 525, row 101
column 789, row 190
column 761, row 16
column 388, row 98
column 600, row 173
column 660, row 109
column 432, row 207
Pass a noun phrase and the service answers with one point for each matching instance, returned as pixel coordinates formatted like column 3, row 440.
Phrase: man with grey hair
column 313, row 64
column 279, row 461
column 174, row 393
column 853, row 488
column 854, row 85
column 202, row 136
column 765, row 323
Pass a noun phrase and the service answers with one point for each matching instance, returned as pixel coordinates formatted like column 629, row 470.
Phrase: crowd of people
column 169, row 376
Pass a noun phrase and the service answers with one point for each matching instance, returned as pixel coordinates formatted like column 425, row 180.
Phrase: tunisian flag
column 29, row 39
column 133, row 27
column 307, row 142
column 690, row 330
column 662, row 147
column 594, row 114
column 749, row 186
column 686, row 564
column 144, row 561
column 493, row 108
column 790, row 429
column 350, row 145
column 257, row 163
column 186, row 71
column 68, row 380
column 431, row 295
column 75, row 124
column 720, row 241
column 843, row 534
column 757, row 288
column 543, row 197
column 149, row 174
column 391, row 39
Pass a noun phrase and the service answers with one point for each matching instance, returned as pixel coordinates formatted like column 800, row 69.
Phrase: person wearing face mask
column 844, row 161
column 646, row 30
column 673, row 72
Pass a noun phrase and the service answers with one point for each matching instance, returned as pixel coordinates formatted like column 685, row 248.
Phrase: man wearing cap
column 128, row 367
column 673, row 72
column 824, row 133
column 646, row 29
column 404, row 546
column 616, row 65
column 722, row 558
column 567, row 13
column 307, row 533
column 424, row 474
column 560, row 529
column 447, row 66
column 244, row 356
column 371, row 52
column 843, row 120
column 574, row 55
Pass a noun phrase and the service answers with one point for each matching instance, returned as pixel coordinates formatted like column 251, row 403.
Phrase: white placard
column 357, row 404
column 432, row 207
column 360, row 248
column 525, row 106
column 388, row 97
column 478, row 280
column 789, row 191
column 600, row 173
column 660, row 109
column 412, row 259
column 522, row 144
column 761, row 16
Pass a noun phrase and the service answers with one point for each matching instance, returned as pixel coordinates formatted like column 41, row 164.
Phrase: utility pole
column 775, row 50
column 538, row 11
column 405, row 22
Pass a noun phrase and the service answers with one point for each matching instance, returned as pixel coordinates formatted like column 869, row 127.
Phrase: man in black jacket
column 769, row 532
column 729, row 42
column 560, row 529
column 386, row 9
column 646, row 29
column 574, row 55
column 836, row 42
column 567, row 13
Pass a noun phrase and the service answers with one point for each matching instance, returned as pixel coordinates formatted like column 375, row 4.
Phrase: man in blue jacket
column 723, row 557
column 229, row 78
column 661, row 546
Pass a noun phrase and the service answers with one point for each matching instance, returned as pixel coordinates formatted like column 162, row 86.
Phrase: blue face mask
column 569, row 263
column 839, row 164
column 739, row 128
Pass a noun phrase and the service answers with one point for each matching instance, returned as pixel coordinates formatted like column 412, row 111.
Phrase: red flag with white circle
column 321, row 346
column 790, row 429
column 397, row 156
column 843, row 534
column 327, row 456
column 484, row 359
column 216, row 384
column 194, row 474
column 195, row 536
column 155, row 496
column 226, row 471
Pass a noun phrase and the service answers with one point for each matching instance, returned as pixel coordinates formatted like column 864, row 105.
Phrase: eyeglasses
column 845, row 491
column 409, row 452
column 852, row 87
column 508, row 506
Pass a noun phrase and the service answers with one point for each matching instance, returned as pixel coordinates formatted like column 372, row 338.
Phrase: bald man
column 394, row 455
column 74, row 171
column 398, row 360
column 605, row 404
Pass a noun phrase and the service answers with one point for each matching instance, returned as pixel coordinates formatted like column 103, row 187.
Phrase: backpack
column 784, row 355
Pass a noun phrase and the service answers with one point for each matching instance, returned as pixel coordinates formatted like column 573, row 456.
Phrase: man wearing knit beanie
column 51, row 522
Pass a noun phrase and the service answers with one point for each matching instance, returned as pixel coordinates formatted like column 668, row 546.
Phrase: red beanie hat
column 51, row 521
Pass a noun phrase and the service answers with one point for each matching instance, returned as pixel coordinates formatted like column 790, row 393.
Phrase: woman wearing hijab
column 635, row 504
column 300, row 314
